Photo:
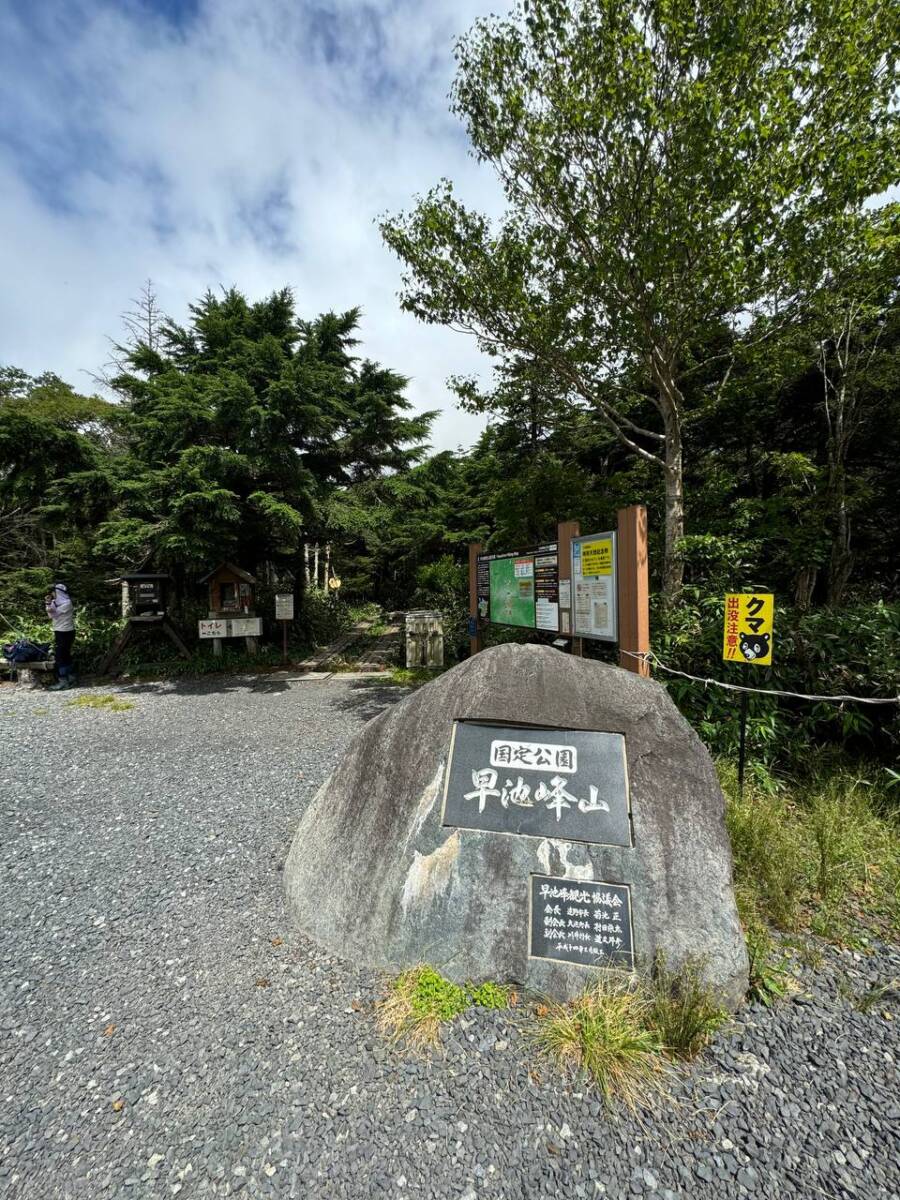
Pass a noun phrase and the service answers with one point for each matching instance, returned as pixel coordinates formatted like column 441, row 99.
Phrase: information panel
column 512, row 591
column 581, row 921
column 558, row 783
column 520, row 589
column 546, row 591
column 594, row 584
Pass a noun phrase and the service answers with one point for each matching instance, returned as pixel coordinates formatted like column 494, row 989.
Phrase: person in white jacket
column 61, row 612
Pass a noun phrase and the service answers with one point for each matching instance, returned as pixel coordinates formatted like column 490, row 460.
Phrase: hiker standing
column 61, row 612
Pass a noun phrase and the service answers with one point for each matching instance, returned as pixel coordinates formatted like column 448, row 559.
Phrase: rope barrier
column 649, row 657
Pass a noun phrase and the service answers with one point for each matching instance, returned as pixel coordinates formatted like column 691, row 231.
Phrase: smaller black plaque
column 581, row 921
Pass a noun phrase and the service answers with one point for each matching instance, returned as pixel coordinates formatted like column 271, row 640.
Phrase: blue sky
column 216, row 142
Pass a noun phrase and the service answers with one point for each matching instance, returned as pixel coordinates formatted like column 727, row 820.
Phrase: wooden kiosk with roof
column 231, row 607
column 145, row 605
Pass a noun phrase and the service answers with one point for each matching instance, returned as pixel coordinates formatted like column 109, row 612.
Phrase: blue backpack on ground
column 24, row 651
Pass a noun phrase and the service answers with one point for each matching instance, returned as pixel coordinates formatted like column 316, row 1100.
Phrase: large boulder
column 375, row 875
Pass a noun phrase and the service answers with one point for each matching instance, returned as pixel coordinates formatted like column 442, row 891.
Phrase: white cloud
column 245, row 144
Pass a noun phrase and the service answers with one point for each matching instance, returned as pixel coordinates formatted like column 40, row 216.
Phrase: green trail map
column 512, row 591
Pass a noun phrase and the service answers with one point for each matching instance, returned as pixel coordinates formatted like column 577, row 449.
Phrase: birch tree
column 658, row 159
column 846, row 319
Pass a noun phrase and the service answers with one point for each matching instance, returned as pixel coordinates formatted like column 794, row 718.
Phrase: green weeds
column 769, row 979
column 414, row 677
column 420, row 1002
column 624, row 1030
column 105, row 703
column 621, row 1033
column 821, row 854
column 878, row 996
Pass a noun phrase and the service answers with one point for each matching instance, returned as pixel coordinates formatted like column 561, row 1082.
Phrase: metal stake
column 745, row 704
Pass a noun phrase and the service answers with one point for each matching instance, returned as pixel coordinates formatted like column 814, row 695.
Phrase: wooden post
column 475, row 549
column 634, row 589
column 565, row 531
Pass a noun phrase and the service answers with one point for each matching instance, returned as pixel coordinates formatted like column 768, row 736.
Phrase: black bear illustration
column 754, row 645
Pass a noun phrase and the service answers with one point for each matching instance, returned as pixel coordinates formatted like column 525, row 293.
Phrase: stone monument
column 527, row 817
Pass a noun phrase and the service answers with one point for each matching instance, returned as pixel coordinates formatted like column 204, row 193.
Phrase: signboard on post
column 747, row 638
column 748, row 635
column 284, row 606
column 231, row 627
column 284, row 612
column 520, row 588
column 595, row 587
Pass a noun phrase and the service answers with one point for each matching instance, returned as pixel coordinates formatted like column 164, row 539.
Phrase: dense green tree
column 241, row 426
column 56, row 451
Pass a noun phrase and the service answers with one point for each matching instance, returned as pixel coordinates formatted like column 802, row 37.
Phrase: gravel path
column 164, row 1032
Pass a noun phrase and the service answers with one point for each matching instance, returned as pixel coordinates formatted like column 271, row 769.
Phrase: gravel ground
column 164, row 1032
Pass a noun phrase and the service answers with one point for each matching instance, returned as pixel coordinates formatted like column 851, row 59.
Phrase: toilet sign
column 747, row 635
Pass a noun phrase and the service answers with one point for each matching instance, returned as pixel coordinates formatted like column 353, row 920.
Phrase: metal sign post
column 284, row 612
column 747, row 637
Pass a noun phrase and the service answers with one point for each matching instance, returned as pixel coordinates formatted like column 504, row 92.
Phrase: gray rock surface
column 374, row 874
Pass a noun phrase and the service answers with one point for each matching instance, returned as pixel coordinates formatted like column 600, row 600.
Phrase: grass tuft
column 105, row 703
column 420, row 1002
column 769, row 980
column 682, row 1009
column 606, row 1034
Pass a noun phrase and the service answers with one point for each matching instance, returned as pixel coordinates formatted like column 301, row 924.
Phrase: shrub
column 682, row 1009
column 23, row 590
column 853, row 650
column 606, row 1035
column 444, row 586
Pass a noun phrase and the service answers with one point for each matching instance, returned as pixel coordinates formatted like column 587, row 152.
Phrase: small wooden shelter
column 231, row 591
column 231, row 607
column 145, row 605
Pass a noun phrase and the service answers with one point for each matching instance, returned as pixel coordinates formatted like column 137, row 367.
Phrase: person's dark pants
column 62, row 652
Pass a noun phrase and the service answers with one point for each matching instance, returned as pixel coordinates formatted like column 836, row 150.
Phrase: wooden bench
column 29, row 674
